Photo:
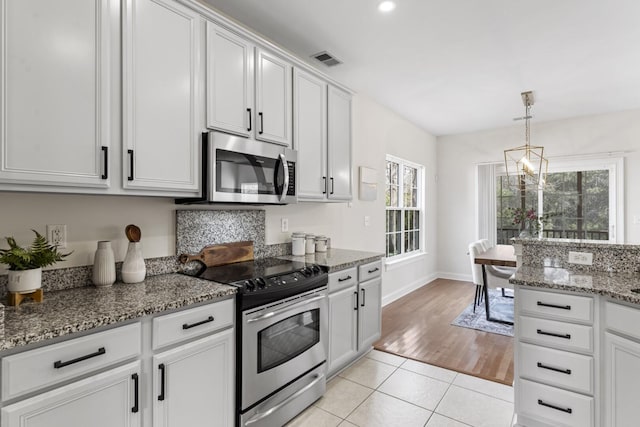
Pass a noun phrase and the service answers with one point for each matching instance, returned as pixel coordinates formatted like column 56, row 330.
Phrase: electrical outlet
column 584, row 258
column 367, row 220
column 57, row 235
column 284, row 225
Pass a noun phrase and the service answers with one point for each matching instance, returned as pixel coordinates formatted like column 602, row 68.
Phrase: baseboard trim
column 455, row 276
column 416, row 284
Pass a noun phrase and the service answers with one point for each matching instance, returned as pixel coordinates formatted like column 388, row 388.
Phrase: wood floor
column 418, row 326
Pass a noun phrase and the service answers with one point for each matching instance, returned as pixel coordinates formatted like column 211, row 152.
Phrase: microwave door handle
column 304, row 301
column 285, row 171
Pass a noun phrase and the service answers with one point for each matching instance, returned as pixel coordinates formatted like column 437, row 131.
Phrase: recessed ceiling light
column 386, row 6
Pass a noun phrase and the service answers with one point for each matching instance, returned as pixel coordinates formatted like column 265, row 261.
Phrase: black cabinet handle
column 193, row 325
column 324, row 185
column 249, row 111
column 373, row 271
column 60, row 364
column 557, row 408
column 130, row 177
column 551, row 368
column 356, row 299
column 345, row 278
column 261, row 122
column 136, row 393
column 105, row 172
column 553, row 334
column 331, row 185
column 362, row 303
column 161, row 395
column 563, row 307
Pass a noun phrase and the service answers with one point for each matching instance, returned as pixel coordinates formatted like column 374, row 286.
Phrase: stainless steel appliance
column 281, row 341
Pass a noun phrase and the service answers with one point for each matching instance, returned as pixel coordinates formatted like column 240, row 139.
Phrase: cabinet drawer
column 554, row 406
column 561, row 335
column 343, row 279
column 556, row 367
column 621, row 318
column 557, row 306
column 180, row 326
column 369, row 271
column 34, row 369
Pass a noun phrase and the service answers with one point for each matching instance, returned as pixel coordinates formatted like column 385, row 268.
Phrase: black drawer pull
column 261, row 131
column 363, row 303
column 373, row 271
column 562, row 307
column 105, row 152
column 557, row 408
column 324, row 185
column 130, row 177
column 551, row 368
column 249, row 111
column 136, row 393
column 193, row 325
column 343, row 279
column 553, row 334
column 331, row 185
column 356, row 299
column 60, row 364
column 161, row 395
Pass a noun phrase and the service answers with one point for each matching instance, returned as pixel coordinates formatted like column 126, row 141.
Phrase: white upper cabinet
column 310, row 134
column 163, row 98
column 55, row 74
column 339, row 144
column 229, row 82
column 273, row 98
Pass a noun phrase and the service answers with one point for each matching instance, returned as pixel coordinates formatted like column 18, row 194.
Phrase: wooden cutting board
column 225, row 253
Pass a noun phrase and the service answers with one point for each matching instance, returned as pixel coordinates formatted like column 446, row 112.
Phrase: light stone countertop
column 337, row 259
column 80, row 309
column 617, row 285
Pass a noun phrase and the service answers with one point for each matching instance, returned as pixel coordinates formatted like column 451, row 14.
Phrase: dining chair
column 476, row 273
column 497, row 271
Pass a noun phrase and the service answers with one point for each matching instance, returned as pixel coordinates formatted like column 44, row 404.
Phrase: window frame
column 420, row 208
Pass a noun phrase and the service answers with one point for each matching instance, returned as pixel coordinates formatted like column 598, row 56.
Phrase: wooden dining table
column 499, row 255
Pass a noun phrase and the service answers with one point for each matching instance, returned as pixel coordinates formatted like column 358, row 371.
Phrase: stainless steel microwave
column 241, row 170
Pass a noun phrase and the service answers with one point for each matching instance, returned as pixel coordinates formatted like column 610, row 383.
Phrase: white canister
column 298, row 244
column 104, row 265
column 321, row 244
column 310, row 244
column 133, row 268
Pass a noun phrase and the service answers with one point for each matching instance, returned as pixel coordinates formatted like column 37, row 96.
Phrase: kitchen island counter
column 74, row 310
column 337, row 259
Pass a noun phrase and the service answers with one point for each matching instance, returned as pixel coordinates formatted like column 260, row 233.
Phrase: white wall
column 376, row 131
column 458, row 155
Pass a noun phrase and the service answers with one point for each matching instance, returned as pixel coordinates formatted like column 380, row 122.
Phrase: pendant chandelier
column 527, row 162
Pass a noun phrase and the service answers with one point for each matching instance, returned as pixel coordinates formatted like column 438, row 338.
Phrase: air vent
column 327, row 59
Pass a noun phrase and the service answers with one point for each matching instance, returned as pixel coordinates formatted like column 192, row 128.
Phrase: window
column 404, row 194
column 579, row 201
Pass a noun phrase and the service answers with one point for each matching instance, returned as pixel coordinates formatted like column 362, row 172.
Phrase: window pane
column 410, row 186
column 416, row 220
column 394, row 196
column 416, row 237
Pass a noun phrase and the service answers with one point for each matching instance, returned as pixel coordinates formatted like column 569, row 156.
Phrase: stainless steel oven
column 284, row 347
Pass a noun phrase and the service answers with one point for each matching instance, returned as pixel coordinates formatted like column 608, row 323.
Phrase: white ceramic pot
column 133, row 268
column 24, row 281
column 104, row 265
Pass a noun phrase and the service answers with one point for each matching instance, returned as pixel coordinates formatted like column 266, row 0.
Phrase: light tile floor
column 385, row 390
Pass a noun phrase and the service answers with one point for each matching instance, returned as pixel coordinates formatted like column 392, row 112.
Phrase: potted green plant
column 25, row 264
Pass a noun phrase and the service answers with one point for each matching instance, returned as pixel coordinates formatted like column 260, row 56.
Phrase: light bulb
column 386, row 6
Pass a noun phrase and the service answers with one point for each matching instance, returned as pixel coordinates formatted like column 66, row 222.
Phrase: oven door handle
column 304, row 301
column 258, row 417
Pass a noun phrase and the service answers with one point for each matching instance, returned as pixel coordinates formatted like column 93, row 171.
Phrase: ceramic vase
column 24, row 281
column 133, row 268
column 104, row 265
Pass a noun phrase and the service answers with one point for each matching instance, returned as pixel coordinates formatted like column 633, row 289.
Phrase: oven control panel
column 290, row 279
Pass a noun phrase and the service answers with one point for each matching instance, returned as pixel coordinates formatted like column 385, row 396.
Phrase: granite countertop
column 616, row 285
column 337, row 259
column 73, row 310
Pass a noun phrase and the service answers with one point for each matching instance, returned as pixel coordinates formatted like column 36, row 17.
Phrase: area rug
column 501, row 308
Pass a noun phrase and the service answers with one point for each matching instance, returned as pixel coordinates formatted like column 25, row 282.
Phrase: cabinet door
column 343, row 328
column 273, row 98
column 193, row 385
column 229, row 81
column 370, row 312
column 310, row 134
column 109, row 399
column 55, row 92
column 162, row 104
column 622, row 381
column 339, row 144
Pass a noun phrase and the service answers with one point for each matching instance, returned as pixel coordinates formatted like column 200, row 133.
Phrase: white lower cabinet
column 355, row 314
column 193, row 383
column 109, row 399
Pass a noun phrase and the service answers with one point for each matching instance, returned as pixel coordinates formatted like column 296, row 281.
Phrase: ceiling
column 455, row 66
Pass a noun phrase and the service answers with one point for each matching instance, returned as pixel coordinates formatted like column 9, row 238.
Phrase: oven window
column 287, row 339
column 245, row 173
